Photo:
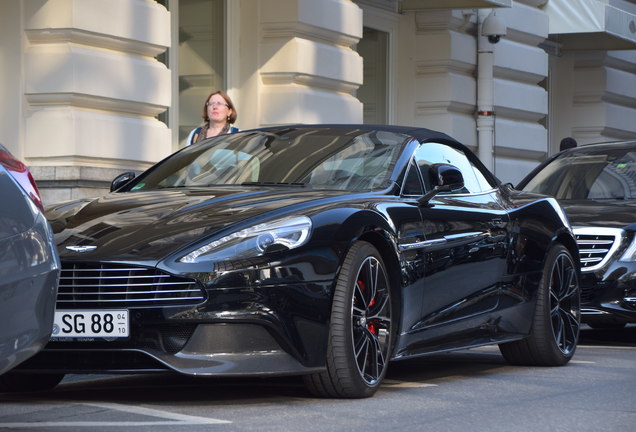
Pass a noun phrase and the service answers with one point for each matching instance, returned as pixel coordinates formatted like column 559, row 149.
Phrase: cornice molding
column 96, row 40
column 84, row 101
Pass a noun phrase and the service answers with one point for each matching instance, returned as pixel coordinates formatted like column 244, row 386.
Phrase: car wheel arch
column 379, row 233
column 569, row 242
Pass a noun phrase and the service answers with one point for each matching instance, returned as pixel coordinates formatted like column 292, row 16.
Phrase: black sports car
column 596, row 185
column 322, row 251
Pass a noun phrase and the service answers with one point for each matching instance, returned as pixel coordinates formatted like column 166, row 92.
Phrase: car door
column 462, row 259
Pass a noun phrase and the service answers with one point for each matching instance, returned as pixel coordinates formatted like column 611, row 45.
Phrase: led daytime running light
column 301, row 224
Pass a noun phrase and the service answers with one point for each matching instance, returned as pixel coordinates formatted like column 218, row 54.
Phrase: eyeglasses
column 216, row 104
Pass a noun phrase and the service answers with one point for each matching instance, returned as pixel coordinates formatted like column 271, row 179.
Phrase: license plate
column 91, row 323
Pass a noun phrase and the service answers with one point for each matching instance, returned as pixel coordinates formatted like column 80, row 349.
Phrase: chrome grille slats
column 106, row 285
column 597, row 245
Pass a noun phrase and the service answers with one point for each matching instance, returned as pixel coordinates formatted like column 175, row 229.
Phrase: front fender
column 536, row 223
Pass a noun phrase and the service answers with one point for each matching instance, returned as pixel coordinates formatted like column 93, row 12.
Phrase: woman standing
column 219, row 114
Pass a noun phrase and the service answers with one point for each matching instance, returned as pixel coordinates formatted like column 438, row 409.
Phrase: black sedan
column 596, row 185
column 29, row 267
column 322, row 251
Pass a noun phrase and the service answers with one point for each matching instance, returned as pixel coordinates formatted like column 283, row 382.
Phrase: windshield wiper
column 274, row 184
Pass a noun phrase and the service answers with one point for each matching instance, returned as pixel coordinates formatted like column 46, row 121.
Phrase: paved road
column 463, row 391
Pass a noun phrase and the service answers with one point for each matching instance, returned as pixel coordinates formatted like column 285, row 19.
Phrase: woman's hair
column 233, row 114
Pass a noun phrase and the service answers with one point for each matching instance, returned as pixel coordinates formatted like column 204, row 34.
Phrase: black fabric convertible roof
column 419, row 133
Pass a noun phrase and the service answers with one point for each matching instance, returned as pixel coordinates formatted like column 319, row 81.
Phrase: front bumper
column 210, row 350
column 609, row 293
column 273, row 329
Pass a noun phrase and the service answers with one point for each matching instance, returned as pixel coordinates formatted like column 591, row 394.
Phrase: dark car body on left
column 325, row 251
column 596, row 186
column 29, row 267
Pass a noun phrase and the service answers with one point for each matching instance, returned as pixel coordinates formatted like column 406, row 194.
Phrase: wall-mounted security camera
column 493, row 28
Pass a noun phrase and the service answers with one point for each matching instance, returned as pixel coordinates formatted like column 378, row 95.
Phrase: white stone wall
column 11, row 99
column 438, row 85
column 594, row 96
column 438, row 59
column 308, row 68
column 521, row 97
column 91, row 88
column 81, row 88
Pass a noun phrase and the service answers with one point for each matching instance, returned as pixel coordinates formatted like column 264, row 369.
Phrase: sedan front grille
column 597, row 245
column 97, row 285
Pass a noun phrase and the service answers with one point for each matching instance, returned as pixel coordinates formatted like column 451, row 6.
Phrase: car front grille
column 101, row 285
column 597, row 245
column 167, row 338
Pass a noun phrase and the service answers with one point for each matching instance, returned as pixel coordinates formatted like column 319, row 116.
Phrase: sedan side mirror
column 445, row 179
column 121, row 180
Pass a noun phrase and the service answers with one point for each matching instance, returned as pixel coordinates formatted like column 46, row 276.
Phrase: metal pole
column 485, row 95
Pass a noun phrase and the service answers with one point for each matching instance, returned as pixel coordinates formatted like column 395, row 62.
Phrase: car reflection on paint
column 29, row 267
column 596, row 185
column 327, row 251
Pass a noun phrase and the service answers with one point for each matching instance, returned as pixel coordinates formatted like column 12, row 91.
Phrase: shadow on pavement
column 193, row 390
column 625, row 336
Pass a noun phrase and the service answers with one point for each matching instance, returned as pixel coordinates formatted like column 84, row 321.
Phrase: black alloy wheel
column 557, row 320
column 565, row 304
column 361, row 333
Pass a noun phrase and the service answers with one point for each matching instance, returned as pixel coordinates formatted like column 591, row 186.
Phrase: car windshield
column 320, row 159
column 594, row 175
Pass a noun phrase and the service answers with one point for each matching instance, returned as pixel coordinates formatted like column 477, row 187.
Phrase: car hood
column 605, row 213
column 148, row 226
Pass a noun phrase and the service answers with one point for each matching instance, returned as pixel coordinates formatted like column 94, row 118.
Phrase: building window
column 373, row 93
column 201, row 58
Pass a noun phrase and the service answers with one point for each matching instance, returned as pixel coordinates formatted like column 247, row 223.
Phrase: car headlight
column 630, row 253
column 282, row 234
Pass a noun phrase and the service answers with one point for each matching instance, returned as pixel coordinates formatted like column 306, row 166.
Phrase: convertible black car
column 323, row 251
column 596, row 185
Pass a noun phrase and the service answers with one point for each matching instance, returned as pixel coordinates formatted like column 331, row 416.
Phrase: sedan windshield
column 320, row 159
column 598, row 176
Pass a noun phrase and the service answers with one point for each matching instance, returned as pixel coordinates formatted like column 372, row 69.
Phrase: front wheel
column 557, row 318
column 361, row 331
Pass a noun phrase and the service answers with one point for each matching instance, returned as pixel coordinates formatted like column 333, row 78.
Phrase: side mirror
column 121, row 180
column 445, row 178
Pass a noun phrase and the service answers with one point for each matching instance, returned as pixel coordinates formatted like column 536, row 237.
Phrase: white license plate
column 91, row 323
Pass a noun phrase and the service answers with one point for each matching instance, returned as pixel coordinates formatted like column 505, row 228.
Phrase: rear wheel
column 557, row 318
column 25, row 382
column 361, row 333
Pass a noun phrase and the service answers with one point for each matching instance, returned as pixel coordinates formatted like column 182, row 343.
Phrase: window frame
column 484, row 183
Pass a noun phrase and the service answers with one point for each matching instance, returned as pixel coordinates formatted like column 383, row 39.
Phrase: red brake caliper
column 371, row 325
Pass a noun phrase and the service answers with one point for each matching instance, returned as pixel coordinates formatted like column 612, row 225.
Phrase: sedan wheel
column 360, row 336
column 557, row 319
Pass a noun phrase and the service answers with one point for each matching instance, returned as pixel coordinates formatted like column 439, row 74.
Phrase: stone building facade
column 91, row 88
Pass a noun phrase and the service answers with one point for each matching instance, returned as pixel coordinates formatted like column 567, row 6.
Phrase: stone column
column 309, row 70
column 92, row 89
column 594, row 96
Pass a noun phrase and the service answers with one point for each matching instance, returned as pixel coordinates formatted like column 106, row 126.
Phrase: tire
column 361, row 332
column 12, row 382
column 557, row 318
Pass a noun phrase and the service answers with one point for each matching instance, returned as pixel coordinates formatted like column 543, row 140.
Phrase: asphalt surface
column 472, row 390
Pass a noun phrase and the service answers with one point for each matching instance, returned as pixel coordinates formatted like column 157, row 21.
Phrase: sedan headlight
column 282, row 234
column 630, row 253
